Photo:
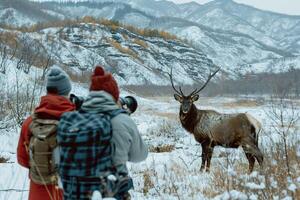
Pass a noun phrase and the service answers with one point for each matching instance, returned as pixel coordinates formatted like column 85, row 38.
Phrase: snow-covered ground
column 174, row 172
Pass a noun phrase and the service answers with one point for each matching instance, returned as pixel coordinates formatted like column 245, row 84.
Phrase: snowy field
column 172, row 170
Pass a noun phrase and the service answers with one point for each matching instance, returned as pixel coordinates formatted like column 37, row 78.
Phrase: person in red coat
column 52, row 106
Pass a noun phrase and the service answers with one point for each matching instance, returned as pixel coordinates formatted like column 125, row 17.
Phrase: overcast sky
column 291, row 7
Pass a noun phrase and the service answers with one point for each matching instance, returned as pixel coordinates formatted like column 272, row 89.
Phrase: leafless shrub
column 148, row 182
column 273, row 182
column 3, row 159
column 2, row 104
column 284, row 116
column 30, row 52
column 4, row 58
column 8, row 48
column 46, row 65
column 167, row 129
column 22, row 97
column 46, row 59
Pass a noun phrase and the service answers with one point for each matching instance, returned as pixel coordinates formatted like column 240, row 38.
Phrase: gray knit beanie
column 58, row 80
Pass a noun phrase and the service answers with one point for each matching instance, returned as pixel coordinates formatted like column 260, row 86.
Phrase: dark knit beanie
column 59, row 81
column 104, row 81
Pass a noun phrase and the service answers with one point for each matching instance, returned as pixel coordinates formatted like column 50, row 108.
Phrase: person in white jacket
column 127, row 143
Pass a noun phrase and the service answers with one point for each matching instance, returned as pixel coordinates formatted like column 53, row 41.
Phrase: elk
column 211, row 128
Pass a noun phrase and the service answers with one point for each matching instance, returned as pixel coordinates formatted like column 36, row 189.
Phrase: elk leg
column 204, row 155
column 209, row 155
column 251, row 160
column 259, row 157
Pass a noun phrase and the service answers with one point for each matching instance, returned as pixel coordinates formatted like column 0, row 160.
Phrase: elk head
column 187, row 101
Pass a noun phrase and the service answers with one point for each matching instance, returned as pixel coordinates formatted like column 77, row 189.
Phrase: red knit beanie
column 104, row 81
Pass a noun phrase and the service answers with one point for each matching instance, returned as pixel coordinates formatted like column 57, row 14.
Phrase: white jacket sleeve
column 128, row 144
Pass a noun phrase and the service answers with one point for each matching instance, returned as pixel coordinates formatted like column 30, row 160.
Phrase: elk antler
column 171, row 78
column 209, row 77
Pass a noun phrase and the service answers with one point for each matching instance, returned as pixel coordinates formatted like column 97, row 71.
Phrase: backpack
column 42, row 144
column 84, row 141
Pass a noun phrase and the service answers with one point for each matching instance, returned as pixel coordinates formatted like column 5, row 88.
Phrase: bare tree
column 31, row 56
column 48, row 60
column 20, row 60
column 22, row 98
column 2, row 104
column 8, row 49
column 284, row 116
column 4, row 58
column 46, row 65
column 30, row 51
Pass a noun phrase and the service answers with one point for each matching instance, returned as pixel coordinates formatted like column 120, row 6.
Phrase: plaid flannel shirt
column 85, row 152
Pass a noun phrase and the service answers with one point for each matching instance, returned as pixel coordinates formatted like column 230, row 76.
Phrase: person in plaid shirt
column 126, row 142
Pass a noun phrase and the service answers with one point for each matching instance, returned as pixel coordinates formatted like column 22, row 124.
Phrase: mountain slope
column 229, row 37
column 15, row 12
column 228, row 15
column 226, row 48
column 134, row 58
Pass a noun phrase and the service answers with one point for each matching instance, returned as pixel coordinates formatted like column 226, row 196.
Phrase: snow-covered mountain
column 135, row 59
column 19, row 13
column 232, row 35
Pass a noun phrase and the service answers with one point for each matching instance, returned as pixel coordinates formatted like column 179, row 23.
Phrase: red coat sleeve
column 22, row 153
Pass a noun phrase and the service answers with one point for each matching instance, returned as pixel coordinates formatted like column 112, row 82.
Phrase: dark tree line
column 263, row 83
column 250, row 84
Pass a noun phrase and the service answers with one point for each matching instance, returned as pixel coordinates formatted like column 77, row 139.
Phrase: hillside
column 135, row 56
column 230, row 38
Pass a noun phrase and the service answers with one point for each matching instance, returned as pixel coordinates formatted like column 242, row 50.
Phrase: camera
column 129, row 103
column 77, row 100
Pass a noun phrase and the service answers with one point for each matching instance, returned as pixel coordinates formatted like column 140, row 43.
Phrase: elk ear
column 178, row 98
column 195, row 97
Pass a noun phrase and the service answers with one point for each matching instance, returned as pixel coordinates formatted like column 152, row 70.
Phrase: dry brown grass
column 162, row 148
column 113, row 25
column 148, row 183
column 83, row 77
column 9, row 38
column 272, row 182
column 125, row 36
column 161, row 98
column 125, row 50
column 141, row 43
column 242, row 103
column 170, row 116
column 166, row 129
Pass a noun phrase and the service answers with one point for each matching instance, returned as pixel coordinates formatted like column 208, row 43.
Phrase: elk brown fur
column 211, row 128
